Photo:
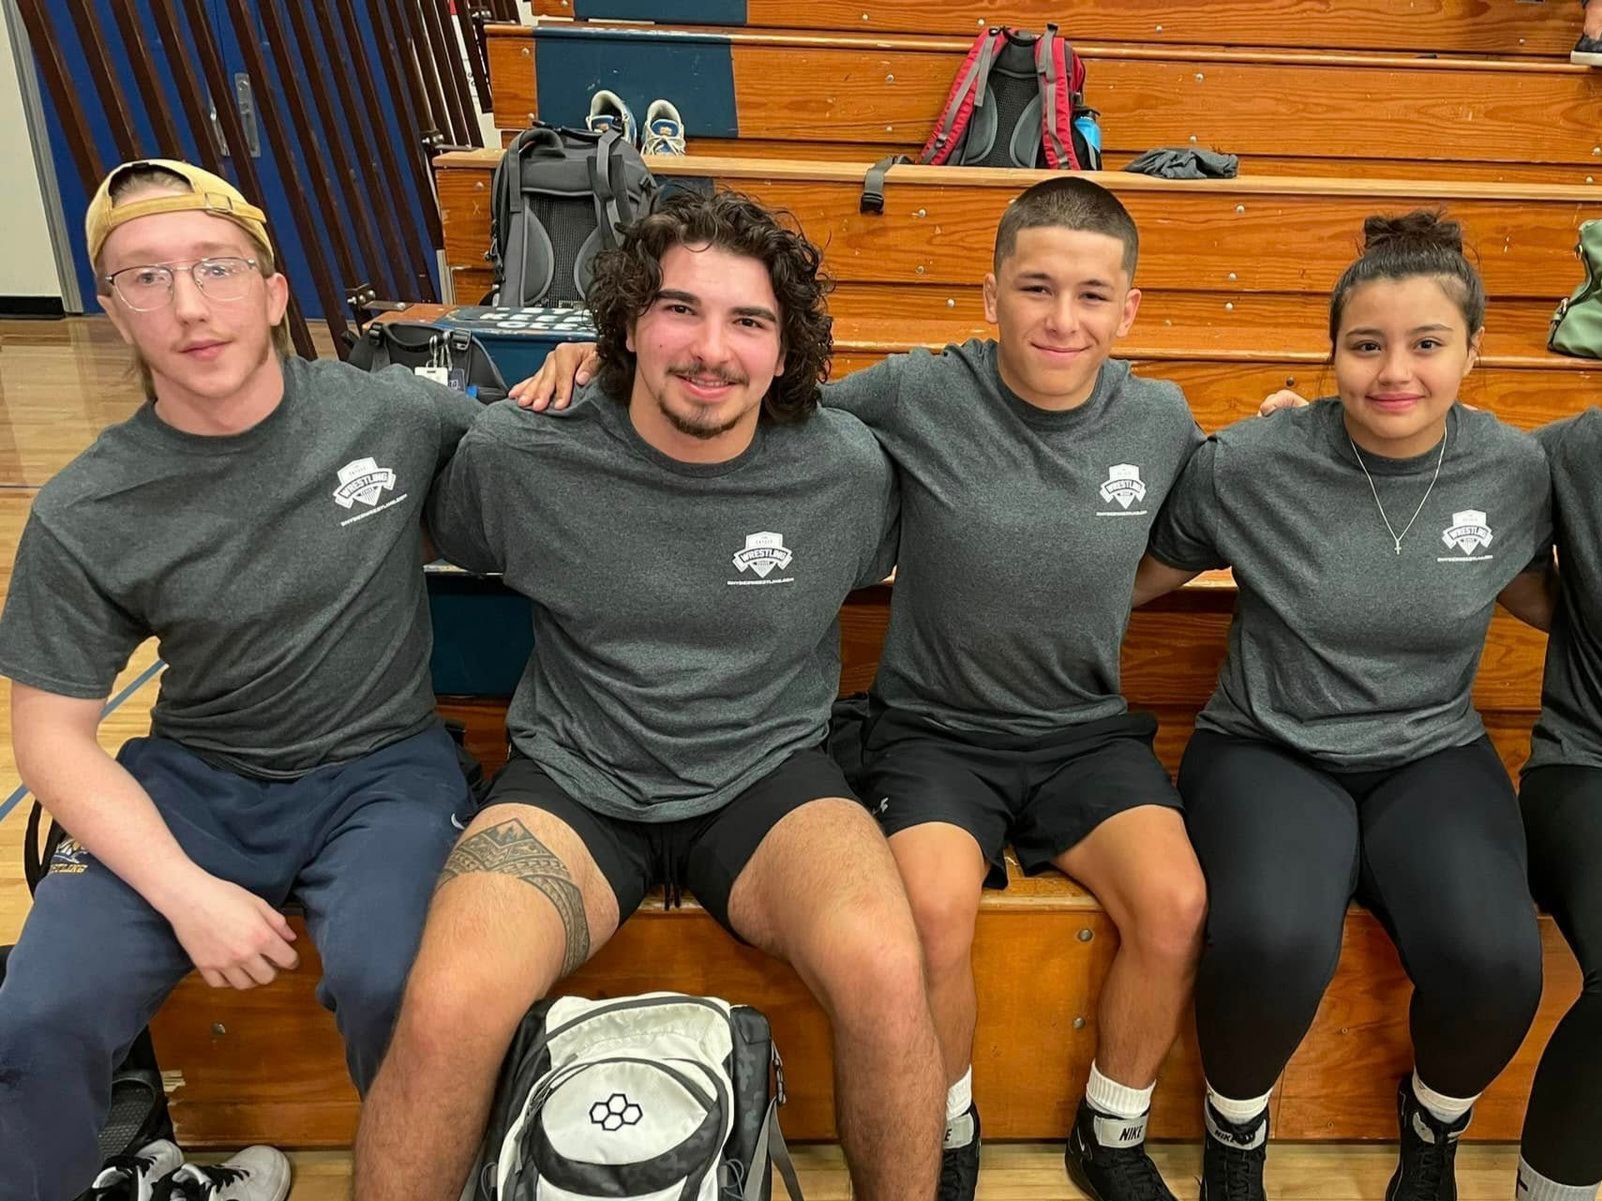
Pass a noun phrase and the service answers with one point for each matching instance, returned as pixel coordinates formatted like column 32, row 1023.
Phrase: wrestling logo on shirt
column 365, row 481
column 764, row 554
column 1468, row 533
column 362, row 480
column 1125, row 486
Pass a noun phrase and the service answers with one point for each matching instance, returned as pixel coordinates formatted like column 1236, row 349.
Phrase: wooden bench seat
column 857, row 96
column 1499, row 27
column 1225, row 238
column 266, row 1065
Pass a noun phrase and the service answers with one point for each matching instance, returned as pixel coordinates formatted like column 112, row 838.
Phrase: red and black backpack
column 1018, row 101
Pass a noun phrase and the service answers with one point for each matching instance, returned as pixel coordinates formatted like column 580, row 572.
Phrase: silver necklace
column 1395, row 537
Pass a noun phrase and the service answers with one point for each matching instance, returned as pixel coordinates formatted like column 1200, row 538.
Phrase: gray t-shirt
column 1021, row 531
column 685, row 615
column 1340, row 647
column 1570, row 726
column 280, row 569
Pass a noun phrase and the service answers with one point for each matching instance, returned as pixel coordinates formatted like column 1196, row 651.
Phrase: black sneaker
column 1429, row 1151
column 1106, row 1158
column 959, row 1159
column 1233, row 1157
column 1587, row 52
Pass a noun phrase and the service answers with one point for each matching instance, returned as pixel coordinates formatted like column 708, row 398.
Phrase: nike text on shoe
column 1233, row 1157
column 1106, row 1158
column 1426, row 1171
column 959, row 1158
column 607, row 111
column 664, row 129
column 255, row 1174
column 133, row 1177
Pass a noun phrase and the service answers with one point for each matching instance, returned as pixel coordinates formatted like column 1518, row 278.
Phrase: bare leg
column 1142, row 869
column 520, row 904
column 822, row 892
column 1593, row 19
column 944, row 872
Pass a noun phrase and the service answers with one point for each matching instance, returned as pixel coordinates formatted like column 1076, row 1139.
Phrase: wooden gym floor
column 61, row 382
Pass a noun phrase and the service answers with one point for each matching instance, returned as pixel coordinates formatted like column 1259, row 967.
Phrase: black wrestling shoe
column 1429, row 1151
column 1106, row 1158
column 1233, row 1158
column 959, row 1158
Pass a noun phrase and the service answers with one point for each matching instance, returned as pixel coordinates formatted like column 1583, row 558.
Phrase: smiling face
column 707, row 350
column 1401, row 355
column 1059, row 300
column 197, row 348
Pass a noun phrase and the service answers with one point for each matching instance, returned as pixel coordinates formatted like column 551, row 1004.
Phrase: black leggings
column 1563, row 818
column 1434, row 848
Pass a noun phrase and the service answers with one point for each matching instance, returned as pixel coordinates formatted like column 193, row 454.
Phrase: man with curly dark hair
column 687, row 532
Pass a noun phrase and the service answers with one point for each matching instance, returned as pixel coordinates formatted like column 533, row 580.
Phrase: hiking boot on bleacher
column 132, row 1177
column 255, row 1174
column 1106, row 1157
column 607, row 111
column 1233, row 1156
column 959, row 1158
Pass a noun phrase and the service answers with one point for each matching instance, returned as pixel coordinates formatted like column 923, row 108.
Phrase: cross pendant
column 1398, row 548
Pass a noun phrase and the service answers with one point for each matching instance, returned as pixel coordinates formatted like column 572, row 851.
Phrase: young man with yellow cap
column 259, row 516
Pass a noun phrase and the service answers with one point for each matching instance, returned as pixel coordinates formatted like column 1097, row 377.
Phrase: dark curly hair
column 627, row 279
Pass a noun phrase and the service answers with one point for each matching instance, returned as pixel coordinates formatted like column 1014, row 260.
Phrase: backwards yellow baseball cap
column 208, row 194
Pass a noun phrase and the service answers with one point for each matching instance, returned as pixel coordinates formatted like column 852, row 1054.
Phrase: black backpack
column 558, row 198
column 413, row 344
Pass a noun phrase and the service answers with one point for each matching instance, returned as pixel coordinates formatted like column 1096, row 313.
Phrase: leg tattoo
column 508, row 849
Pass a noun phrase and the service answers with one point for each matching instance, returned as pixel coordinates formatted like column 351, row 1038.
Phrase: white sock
column 1118, row 1100
column 1444, row 1109
column 1535, row 1187
column 1237, row 1113
column 959, row 1097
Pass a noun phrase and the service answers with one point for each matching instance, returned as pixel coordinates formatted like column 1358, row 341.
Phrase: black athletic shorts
column 703, row 854
column 1043, row 795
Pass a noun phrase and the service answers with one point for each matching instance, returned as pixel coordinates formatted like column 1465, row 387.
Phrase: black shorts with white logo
column 1043, row 795
column 704, row 855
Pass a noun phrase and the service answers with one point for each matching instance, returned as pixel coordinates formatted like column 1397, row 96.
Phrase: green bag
column 1577, row 324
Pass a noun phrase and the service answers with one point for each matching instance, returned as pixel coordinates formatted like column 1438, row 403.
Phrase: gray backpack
column 559, row 197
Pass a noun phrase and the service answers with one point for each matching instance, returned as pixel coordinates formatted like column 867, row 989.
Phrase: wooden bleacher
column 798, row 93
column 1337, row 113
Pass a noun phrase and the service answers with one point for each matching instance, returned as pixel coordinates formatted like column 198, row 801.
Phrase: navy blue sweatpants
column 358, row 845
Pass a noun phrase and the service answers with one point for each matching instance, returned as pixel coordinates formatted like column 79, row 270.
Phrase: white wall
column 27, row 260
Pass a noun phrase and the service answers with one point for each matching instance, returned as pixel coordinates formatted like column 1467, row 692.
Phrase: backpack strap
column 526, row 261
column 1054, row 60
column 36, row 859
column 873, row 183
column 770, row 1146
column 608, row 186
column 967, row 93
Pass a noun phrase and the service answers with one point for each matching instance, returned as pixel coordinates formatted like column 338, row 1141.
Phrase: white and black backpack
column 661, row 1097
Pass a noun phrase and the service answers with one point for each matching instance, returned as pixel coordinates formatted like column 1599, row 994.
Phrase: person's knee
column 945, row 921
column 364, row 990
column 1499, row 970
column 873, row 973
column 1166, row 919
column 44, row 1033
column 1272, row 950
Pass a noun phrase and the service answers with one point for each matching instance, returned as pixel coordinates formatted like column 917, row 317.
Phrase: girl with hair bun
column 1371, row 534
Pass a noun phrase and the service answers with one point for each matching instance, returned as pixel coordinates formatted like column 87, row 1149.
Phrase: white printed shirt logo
column 1125, row 486
column 762, row 554
column 1468, row 533
column 363, row 480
